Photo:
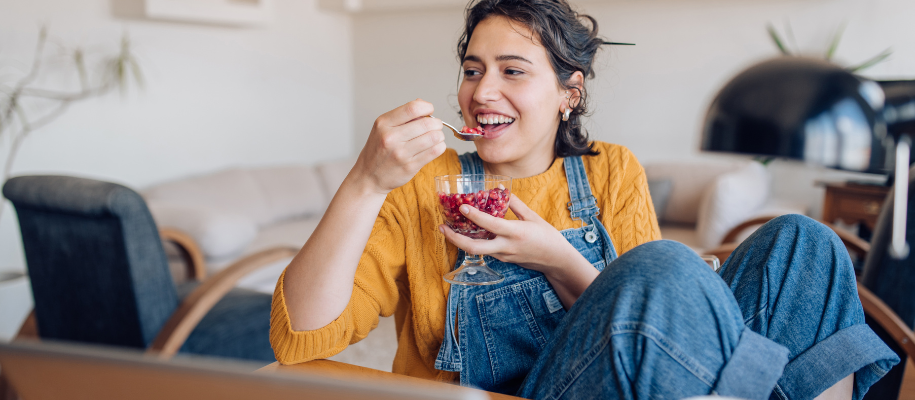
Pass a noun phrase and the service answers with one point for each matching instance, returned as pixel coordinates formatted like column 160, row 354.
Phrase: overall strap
column 583, row 204
column 471, row 163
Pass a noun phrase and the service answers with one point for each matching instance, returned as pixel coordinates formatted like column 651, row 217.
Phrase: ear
column 576, row 85
column 577, row 80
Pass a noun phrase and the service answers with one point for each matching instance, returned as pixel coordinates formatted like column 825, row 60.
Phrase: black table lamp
column 811, row 110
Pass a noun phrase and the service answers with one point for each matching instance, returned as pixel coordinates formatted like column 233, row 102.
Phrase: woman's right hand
column 402, row 141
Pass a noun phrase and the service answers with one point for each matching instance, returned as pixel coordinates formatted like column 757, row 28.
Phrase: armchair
column 99, row 275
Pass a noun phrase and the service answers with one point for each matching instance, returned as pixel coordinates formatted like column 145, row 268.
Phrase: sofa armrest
column 196, row 305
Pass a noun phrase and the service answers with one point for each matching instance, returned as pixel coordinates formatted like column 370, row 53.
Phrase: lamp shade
column 799, row 108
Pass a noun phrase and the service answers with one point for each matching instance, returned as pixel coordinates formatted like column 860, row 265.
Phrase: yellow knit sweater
column 401, row 269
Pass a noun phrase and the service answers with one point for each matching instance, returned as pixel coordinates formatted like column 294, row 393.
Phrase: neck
column 523, row 168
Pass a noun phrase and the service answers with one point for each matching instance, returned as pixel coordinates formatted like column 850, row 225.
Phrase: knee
column 796, row 228
column 787, row 243
column 798, row 223
column 658, row 260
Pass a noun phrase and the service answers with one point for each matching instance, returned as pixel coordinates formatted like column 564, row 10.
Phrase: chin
column 496, row 154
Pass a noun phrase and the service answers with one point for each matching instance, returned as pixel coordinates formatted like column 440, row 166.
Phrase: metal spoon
column 467, row 137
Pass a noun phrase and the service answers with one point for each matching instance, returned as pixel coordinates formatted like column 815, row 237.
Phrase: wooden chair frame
column 192, row 308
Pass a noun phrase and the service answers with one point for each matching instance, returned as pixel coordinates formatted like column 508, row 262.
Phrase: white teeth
column 494, row 119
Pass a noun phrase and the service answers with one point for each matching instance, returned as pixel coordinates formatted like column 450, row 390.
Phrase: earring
column 565, row 115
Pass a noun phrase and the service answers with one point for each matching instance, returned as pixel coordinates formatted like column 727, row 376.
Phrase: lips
column 493, row 124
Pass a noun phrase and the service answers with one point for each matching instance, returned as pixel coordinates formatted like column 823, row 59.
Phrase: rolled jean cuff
column 753, row 369
column 856, row 349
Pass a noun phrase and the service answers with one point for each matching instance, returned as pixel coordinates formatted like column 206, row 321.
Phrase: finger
column 499, row 226
column 424, row 142
column 409, row 131
column 407, row 113
column 427, row 155
column 521, row 210
column 472, row 246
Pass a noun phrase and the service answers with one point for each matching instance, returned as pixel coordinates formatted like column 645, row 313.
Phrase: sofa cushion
column 732, row 198
column 291, row 233
column 683, row 233
column 230, row 191
column 290, row 192
column 689, row 181
column 219, row 233
column 660, row 192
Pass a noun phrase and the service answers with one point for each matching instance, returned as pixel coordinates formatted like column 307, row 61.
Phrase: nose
column 488, row 88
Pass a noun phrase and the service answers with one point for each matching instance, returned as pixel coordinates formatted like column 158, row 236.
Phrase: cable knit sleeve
column 634, row 220
column 375, row 292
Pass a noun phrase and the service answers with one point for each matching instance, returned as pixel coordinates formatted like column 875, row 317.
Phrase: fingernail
column 465, row 209
column 441, row 229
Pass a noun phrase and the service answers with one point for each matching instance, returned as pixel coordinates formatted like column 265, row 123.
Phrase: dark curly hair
column 569, row 43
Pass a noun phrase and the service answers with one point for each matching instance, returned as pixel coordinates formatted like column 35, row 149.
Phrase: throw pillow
column 732, row 198
column 660, row 193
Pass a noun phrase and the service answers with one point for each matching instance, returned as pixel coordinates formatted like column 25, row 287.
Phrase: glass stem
column 473, row 259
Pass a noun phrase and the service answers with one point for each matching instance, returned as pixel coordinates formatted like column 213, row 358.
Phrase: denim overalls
column 502, row 328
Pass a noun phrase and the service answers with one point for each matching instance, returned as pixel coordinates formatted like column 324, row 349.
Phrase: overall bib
column 502, row 328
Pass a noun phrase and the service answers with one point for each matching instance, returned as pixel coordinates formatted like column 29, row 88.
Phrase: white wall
column 652, row 97
column 215, row 96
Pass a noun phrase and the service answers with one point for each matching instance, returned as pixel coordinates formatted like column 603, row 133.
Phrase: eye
column 471, row 73
column 513, row 72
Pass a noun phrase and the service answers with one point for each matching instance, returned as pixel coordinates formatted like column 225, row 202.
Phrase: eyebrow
column 505, row 57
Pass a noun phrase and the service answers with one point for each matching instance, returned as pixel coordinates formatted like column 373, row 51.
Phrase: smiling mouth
column 491, row 122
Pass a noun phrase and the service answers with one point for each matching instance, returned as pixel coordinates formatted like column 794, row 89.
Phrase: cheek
column 465, row 96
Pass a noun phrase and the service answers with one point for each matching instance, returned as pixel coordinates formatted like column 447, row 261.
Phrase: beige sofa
column 240, row 211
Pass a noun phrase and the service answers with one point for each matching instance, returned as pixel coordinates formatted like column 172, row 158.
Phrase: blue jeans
column 783, row 320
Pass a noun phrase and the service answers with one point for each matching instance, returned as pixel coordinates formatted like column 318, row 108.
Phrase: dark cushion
column 660, row 193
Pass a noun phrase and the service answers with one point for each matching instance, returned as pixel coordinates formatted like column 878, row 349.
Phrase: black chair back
column 893, row 281
column 98, row 270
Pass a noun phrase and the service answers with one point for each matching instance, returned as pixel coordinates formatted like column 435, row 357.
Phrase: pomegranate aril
column 473, row 131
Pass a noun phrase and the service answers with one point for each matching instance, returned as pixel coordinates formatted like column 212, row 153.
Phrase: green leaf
column 835, row 42
column 790, row 33
column 764, row 160
column 80, row 62
column 137, row 73
column 872, row 61
column 778, row 41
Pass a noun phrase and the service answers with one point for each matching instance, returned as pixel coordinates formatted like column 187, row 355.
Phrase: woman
column 655, row 321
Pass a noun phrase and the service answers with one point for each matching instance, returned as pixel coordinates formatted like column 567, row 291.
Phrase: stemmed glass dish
column 487, row 193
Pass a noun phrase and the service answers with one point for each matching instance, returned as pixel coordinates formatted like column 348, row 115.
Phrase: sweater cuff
column 292, row 347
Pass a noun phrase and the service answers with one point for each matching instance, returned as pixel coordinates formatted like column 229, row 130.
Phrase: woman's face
column 510, row 88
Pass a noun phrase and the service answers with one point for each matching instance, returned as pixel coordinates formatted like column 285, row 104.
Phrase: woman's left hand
column 529, row 242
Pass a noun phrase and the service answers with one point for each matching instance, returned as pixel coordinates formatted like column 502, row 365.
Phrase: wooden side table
column 854, row 203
